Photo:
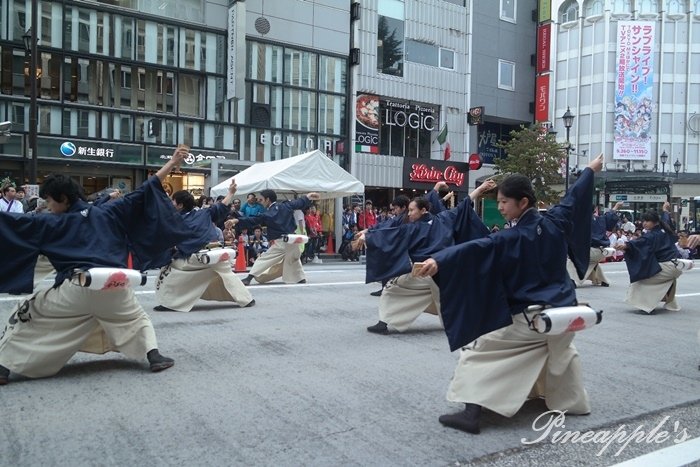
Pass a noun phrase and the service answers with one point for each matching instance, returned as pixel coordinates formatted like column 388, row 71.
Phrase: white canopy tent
column 311, row 171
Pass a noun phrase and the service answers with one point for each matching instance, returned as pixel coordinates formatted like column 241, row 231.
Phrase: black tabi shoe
column 162, row 308
column 303, row 281
column 466, row 420
column 604, row 284
column 378, row 293
column 159, row 362
column 252, row 303
column 379, row 328
column 4, row 375
column 247, row 280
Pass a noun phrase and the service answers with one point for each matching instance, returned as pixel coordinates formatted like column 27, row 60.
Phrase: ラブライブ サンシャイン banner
column 633, row 87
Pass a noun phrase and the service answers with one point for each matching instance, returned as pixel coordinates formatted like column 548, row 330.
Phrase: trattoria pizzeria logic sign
column 423, row 174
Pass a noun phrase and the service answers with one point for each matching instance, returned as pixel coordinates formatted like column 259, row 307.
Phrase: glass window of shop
column 265, row 62
column 406, row 128
column 390, row 37
column 207, row 135
column 332, row 74
column 120, row 36
column 300, row 68
column 296, row 104
column 421, row 52
column 331, row 111
column 99, row 82
column 299, row 110
column 190, row 95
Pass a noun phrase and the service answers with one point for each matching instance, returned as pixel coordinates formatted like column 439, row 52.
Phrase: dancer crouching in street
column 282, row 259
column 187, row 279
column 503, row 362
column 49, row 327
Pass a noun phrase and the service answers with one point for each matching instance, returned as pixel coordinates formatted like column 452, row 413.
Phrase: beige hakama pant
column 646, row 294
column 280, row 260
column 594, row 273
column 404, row 299
column 502, row 369
column 184, row 281
column 42, row 269
column 49, row 327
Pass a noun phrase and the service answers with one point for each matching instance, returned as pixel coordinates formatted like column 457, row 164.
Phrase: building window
column 674, row 8
column 190, row 96
column 421, row 52
column 647, row 7
column 568, row 12
column 447, row 59
column 456, row 2
column 506, row 75
column 593, row 8
column 390, row 37
column 332, row 74
column 265, row 62
column 508, row 9
column 406, row 128
column 300, row 68
column 622, row 7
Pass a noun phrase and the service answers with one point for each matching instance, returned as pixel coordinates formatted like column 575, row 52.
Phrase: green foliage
column 392, row 48
column 536, row 155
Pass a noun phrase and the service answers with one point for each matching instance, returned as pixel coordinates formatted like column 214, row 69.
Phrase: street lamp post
column 677, row 167
column 664, row 158
column 568, row 118
column 30, row 41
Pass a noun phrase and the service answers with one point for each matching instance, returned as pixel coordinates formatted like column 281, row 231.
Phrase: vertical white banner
column 633, row 88
column 231, row 59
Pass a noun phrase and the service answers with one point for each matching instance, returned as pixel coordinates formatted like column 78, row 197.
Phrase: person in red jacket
column 367, row 218
column 314, row 231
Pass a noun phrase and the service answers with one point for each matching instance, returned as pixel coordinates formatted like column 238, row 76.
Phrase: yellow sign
column 545, row 10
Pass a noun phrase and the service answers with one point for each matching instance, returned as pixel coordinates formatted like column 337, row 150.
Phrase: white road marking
column 13, row 298
column 672, row 456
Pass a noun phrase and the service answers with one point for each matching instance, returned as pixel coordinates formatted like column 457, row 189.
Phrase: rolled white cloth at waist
column 608, row 251
column 684, row 264
column 565, row 319
column 294, row 238
column 109, row 278
column 216, row 255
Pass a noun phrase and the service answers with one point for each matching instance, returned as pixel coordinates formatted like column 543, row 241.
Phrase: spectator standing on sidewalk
column 8, row 202
column 367, row 218
column 314, row 231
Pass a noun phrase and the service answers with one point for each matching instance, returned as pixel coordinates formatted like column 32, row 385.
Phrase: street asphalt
column 297, row 380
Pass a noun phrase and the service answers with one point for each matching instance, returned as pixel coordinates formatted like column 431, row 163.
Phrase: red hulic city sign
column 423, row 173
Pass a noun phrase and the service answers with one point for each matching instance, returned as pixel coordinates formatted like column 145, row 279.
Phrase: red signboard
column 544, row 34
column 542, row 99
column 475, row 162
column 425, row 173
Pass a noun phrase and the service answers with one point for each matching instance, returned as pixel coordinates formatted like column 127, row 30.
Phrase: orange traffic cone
column 241, row 262
column 330, row 246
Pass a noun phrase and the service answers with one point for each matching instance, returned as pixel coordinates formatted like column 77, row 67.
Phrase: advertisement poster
column 633, row 88
column 367, row 123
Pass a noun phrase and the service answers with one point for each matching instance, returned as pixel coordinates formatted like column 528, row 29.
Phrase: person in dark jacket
column 187, row 279
column 282, row 259
column 650, row 262
column 502, row 361
column 57, row 322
